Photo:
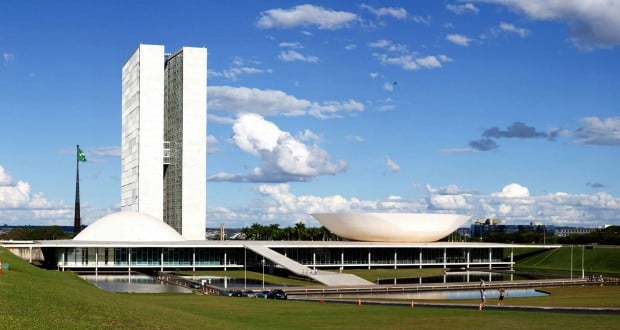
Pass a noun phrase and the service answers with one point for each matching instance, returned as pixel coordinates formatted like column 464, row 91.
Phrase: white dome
column 392, row 227
column 129, row 226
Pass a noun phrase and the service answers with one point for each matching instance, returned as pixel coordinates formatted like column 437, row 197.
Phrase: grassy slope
column 382, row 273
column 596, row 260
column 32, row 298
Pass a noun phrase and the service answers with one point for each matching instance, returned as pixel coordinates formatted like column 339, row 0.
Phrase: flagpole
column 77, row 221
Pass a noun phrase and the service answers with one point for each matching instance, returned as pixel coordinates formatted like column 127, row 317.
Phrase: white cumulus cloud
column 465, row 8
column 16, row 195
column 238, row 100
column 599, row 132
column 429, row 62
column 391, row 165
column 508, row 27
column 293, row 56
column 283, row 157
column 305, row 16
column 458, row 39
column 280, row 204
column 593, row 23
column 448, row 202
column 398, row 13
column 513, row 190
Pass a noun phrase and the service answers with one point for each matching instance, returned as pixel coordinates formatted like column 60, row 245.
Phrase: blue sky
column 507, row 109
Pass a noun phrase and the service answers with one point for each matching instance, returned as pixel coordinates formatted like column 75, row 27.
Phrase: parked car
column 262, row 294
column 277, row 294
column 248, row 293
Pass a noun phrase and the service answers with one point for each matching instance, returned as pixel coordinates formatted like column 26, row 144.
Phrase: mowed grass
column 596, row 259
column 251, row 275
column 373, row 275
column 32, row 298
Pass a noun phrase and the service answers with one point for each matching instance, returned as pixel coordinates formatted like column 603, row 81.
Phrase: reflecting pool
column 230, row 282
column 134, row 283
column 448, row 294
column 463, row 276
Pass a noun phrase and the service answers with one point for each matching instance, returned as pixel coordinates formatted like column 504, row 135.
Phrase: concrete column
column 314, row 260
column 342, row 260
column 445, row 259
column 420, row 263
column 194, row 259
column 490, row 258
column 468, row 251
column 129, row 263
column 30, row 259
column 395, row 259
column 369, row 256
column 62, row 262
column 161, row 262
column 96, row 261
column 225, row 262
column 511, row 259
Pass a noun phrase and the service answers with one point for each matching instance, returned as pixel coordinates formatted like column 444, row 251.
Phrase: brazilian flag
column 81, row 156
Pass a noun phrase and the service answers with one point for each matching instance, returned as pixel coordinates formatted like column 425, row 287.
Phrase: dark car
column 248, row 293
column 277, row 294
column 262, row 294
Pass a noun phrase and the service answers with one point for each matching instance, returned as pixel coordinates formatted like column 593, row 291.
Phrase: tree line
column 36, row 233
column 607, row 236
column 299, row 232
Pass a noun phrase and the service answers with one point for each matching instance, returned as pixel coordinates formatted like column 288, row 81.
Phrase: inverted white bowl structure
column 391, row 227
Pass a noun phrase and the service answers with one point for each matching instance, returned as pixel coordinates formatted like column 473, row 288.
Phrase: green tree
column 301, row 232
column 36, row 233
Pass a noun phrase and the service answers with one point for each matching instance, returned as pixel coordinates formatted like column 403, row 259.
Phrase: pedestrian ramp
column 325, row 277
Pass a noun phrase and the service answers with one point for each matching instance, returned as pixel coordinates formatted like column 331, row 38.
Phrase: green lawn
column 596, row 260
column 33, row 298
column 388, row 273
column 251, row 275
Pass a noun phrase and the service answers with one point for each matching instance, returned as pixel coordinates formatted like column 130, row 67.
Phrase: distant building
column 485, row 227
column 567, row 231
column 164, row 132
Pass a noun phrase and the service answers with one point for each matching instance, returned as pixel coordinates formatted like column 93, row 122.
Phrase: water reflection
column 134, row 283
column 450, row 294
column 230, row 282
column 464, row 276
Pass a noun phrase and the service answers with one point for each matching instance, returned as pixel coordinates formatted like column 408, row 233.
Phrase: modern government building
column 164, row 137
column 162, row 221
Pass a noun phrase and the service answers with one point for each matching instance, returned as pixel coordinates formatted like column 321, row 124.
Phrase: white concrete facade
column 194, row 180
column 143, row 131
column 162, row 103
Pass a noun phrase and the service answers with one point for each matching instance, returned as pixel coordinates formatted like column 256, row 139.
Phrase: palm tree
column 301, row 231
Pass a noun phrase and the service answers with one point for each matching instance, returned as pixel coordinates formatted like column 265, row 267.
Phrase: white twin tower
column 164, row 137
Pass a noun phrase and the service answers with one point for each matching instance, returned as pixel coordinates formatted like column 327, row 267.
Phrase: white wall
column 143, row 132
column 194, row 142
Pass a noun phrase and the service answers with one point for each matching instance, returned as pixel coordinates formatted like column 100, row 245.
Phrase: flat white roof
column 270, row 244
